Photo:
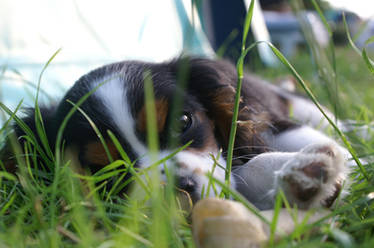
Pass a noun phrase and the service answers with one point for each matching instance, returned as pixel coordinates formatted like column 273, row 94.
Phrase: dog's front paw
column 313, row 176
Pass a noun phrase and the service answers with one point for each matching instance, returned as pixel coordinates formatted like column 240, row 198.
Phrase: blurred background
column 91, row 33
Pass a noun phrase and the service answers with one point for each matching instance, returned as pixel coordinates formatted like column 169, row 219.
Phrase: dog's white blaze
column 202, row 162
column 185, row 163
column 114, row 97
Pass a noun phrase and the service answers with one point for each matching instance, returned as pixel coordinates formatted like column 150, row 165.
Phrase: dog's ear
column 214, row 83
column 16, row 136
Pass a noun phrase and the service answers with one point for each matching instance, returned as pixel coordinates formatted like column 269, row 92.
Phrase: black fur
column 210, row 86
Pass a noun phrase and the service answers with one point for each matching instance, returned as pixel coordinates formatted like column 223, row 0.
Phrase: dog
column 272, row 151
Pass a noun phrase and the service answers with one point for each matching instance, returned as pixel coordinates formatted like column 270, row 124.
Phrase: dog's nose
column 187, row 183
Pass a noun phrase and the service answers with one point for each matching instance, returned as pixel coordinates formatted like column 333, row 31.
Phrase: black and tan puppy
column 271, row 150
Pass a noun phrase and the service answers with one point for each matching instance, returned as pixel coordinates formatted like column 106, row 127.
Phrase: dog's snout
column 187, row 183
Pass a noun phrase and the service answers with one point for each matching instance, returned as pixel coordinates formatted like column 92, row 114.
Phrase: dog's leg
column 255, row 179
column 309, row 170
column 295, row 139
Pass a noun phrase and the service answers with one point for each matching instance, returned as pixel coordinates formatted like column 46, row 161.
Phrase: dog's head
column 197, row 95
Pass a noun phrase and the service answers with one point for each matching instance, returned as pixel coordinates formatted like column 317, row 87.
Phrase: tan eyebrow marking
column 162, row 109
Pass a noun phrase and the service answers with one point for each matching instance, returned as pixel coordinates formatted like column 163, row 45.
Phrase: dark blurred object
column 286, row 32
column 335, row 19
column 275, row 5
column 323, row 5
column 284, row 6
column 223, row 25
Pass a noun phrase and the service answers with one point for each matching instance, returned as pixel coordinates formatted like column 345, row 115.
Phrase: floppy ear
column 214, row 83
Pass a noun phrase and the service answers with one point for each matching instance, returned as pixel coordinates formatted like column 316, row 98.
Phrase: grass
column 61, row 208
column 354, row 81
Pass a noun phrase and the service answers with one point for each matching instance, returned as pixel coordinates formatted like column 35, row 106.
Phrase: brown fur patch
column 182, row 165
column 223, row 105
column 198, row 171
column 302, row 194
column 210, row 143
column 94, row 153
column 250, row 122
column 329, row 201
column 162, row 109
column 316, row 170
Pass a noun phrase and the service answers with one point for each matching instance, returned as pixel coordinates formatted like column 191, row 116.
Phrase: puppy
column 272, row 151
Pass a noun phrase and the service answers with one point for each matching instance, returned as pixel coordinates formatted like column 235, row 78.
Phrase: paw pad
column 303, row 194
column 327, row 149
column 316, row 170
column 311, row 177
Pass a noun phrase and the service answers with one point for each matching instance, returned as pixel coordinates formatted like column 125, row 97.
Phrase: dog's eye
column 185, row 122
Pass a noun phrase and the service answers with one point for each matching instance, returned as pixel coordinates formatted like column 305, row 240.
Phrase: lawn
column 353, row 223
column 51, row 205
column 354, row 83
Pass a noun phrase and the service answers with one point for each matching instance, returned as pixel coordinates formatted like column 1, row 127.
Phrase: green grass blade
column 97, row 131
column 70, row 114
column 370, row 40
column 158, row 227
column 114, row 165
column 368, row 62
column 322, row 16
column 230, row 147
column 313, row 98
column 119, row 148
column 29, row 134
column 58, row 146
column 152, row 134
column 274, row 221
column 4, row 174
column 166, row 158
column 239, row 66
column 247, row 24
column 117, row 186
column 332, row 57
column 353, row 45
column 323, row 58
column 7, row 205
column 6, row 124
column 38, row 117
column 136, row 236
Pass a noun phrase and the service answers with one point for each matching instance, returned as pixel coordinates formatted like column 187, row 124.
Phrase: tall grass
column 47, row 203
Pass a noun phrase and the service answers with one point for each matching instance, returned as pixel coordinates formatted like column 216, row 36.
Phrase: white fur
column 262, row 177
column 203, row 162
column 189, row 163
column 113, row 95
